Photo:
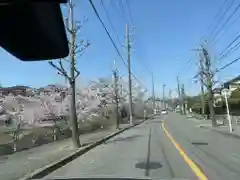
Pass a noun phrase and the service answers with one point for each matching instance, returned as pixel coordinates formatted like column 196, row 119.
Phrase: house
column 217, row 94
column 15, row 90
column 232, row 84
column 52, row 88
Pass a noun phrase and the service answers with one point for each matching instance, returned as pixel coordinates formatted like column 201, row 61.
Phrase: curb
column 47, row 169
column 222, row 132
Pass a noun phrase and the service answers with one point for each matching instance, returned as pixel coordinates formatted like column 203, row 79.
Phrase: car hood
column 109, row 177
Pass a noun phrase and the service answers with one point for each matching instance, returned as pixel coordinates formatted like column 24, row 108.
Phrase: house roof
column 231, row 81
column 217, row 90
column 14, row 88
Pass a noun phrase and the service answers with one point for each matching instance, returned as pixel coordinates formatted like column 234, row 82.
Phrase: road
column 146, row 150
column 21, row 163
column 216, row 154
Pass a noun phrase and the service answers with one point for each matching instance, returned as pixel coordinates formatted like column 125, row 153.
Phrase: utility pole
column 202, row 85
column 116, row 95
column 183, row 100
column 153, row 95
column 209, row 84
column 164, row 105
column 179, row 95
column 129, row 75
column 170, row 98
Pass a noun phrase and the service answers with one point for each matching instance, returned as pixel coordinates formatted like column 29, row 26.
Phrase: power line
column 219, row 37
column 230, row 44
column 131, row 22
column 229, row 52
column 226, row 22
column 109, row 36
column 216, row 16
column 228, row 64
column 114, row 5
column 113, row 43
column 129, row 11
column 213, row 29
column 123, row 11
column 110, row 22
column 189, row 64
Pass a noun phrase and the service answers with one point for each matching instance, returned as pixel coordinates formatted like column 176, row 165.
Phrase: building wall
column 234, row 85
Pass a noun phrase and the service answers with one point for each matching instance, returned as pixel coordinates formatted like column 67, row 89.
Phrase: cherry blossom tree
column 88, row 104
column 103, row 90
column 12, row 114
column 53, row 114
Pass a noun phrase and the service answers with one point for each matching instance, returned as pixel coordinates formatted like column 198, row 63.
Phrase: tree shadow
column 122, row 139
column 148, row 165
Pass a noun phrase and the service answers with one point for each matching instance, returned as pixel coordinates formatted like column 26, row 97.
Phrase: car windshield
column 149, row 90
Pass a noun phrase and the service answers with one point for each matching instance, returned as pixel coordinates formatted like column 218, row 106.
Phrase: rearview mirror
column 33, row 31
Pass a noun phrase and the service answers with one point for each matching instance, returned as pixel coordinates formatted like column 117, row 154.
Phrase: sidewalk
column 19, row 164
column 223, row 129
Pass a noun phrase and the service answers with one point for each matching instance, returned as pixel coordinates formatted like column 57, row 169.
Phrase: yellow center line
column 190, row 163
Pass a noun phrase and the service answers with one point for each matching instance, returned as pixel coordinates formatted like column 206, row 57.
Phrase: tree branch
column 77, row 73
column 67, row 25
column 204, row 83
column 60, row 69
column 67, row 60
column 83, row 48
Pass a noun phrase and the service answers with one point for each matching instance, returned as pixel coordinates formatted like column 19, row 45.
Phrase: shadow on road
column 148, row 165
column 120, row 139
column 156, row 122
column 199, row 143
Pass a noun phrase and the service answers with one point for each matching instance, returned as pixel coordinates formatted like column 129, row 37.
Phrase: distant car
column 164, row 111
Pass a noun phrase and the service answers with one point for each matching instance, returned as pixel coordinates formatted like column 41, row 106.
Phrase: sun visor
column 33, row 31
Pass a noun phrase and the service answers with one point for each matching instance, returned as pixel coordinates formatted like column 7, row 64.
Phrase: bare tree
column 73, row 27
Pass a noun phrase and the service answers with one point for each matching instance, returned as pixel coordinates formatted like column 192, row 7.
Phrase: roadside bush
column 96, row 123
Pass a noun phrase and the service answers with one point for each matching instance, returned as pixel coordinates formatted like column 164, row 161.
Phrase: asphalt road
column 146, row 151
column 141, row 151
column 216, row 154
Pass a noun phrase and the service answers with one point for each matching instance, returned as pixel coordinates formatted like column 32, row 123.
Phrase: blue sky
column 164, row 32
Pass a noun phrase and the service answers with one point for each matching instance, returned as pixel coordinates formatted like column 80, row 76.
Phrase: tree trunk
column 117, row 116
column 15, row 146
column 73, row 117
column 202, row 103
column 55, row 132
column 211, row 107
